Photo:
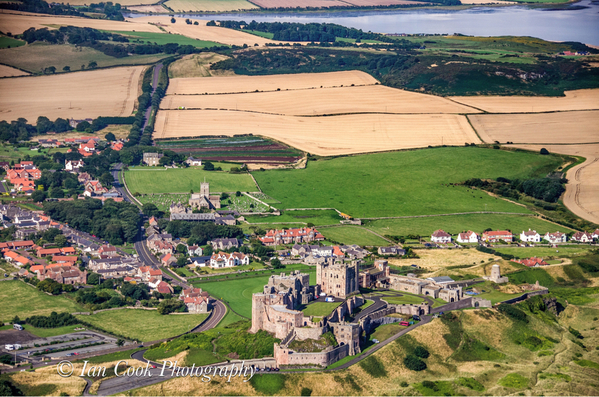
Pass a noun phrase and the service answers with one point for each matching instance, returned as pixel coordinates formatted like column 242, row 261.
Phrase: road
column 157, row 69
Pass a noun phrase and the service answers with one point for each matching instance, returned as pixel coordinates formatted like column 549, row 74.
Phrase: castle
column 204, row 199
column 337, row 278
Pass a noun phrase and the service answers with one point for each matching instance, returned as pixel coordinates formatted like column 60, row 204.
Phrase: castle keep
column 339, row 279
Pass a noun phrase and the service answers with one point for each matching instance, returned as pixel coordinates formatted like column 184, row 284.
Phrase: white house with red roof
column 73, row 165
column 222, row 259
column 441, row 236
column 498, row 235
column 147, row 273
column 557, row 237
column 582, row 237
column 531, row 236
column 290, row 236
column 468, row 237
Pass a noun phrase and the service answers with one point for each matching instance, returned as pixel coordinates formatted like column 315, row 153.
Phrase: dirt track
column 582, row 190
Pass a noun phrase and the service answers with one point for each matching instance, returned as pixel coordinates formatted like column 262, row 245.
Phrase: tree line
column 110, row 10
column 546, row 189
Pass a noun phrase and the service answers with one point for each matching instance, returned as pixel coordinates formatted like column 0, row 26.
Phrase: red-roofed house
column 468, row 237
column 582, row 237
column 532, row 262
column 290, row 236
column 64, row 259
column 498, row 235
column 440, row 236
column 117, row 146
column 108, row 250
column 47, row 251
column 168, row 259
column 164, row 288
column 557, row 237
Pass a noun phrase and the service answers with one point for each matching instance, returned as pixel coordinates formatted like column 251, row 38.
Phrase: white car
column 323, row 294
column 9, row 347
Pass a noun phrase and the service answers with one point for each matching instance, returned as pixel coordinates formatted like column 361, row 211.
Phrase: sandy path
column 582, row 190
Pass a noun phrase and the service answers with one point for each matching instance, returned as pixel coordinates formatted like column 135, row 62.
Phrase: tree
column 110, row 137
column 544, row 151
column 208, row 166
column 51, row 69
column 182, row 261
column 106, row 179
column 120, row 342
column 173, row 20
column 238, row 193
column 150, row 209
column 181, row 249
column 276, row 263
column 82, row 126
column 93, row 279
column 421, row 352
column 165, row 160
column 56, row 192
column 92, row 64
column 38, row 196
column 414, row 363
column 66, row 69
column 60, row 241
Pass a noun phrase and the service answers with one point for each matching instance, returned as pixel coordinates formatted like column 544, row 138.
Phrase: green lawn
column 47, row 332
column 544, row 252
column 353, row 235
column 238, row 293
column 143, row 325
column 23, row 300
column 106, row 358
column 182, row 180
column 491, row 294
column 383, row 332
column 165, row 38
column 320, row 309
column 403, row 183
column 404, row 300
column 454, row 224
column 9, row 42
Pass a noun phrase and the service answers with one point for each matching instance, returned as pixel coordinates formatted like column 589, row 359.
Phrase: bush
column 54, row 320
column 512, row 312
column 421, row 352
column 575, row 332
column 306, row 391
column 374, row 367
column 414, row 363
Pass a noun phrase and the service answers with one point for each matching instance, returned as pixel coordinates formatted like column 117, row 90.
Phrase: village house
column 354, row 251
column 63, row 274
column 146, row 273
column 16, row 258
column 193, row 162
column 440, row 236
column 194, row 250
column 582, row 237
column 557, row 237
column 468, row 237
column 94, row 188
column 224, row 243
column 152, row 159
column 199, row 261
column 17, row 245
column 225, row 220
column 531, row 262
column 290, row 236
column 74, row 165
column 168, row 259
column 74, row 123
column 117, row 146
column 391, row 251
column 497, row 236
column 595, row 234
column 531, row 236
column 47, row 143
column 163, row 287
column 196, row 300
column 222, row 260
column 107, row 250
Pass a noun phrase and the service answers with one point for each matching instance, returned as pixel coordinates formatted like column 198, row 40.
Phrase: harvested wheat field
column 563, row 127
column 582, row 189
column 202, row 32
column 123, row 3
column 209, row 5
column 195, row 65
column 332, row 135
column 240, row 84
column 17, row 23
column 435, row 261
column 321, row 101
column 7, row 71
column 299, row 4
column 109, row 92
column 156, row 8
column 574, row 100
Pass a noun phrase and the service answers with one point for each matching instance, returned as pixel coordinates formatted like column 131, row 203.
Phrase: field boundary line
column 455, row 213
column 474, row 129
column 256, row 182
column 287, row 89
column 122, row 176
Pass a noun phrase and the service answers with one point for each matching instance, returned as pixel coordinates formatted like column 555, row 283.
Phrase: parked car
column 9, row 347
column 415, row 317
column 376, row 341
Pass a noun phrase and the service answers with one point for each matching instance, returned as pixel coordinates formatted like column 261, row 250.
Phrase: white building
column 595, row 234
column 441, row 236
column 223, row 259
column 73, row 165
column 193, row 162
column 531, row 236
column 468, row 237
column 582, row 237
column 557, row 237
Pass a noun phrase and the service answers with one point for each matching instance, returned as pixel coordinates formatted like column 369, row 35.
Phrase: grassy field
column 182, row 180
column 165, row 38
column 491, row 294
column 209, row 5
column 544, row 252
column 9, row 42
column 317, row 217
column 457, row 223
column 320, row 309
column 143, row 325
column 402, row 183
column 46, row 332
column 353, row 235
column 25, row 301
column 35, row 57
column 238, row 293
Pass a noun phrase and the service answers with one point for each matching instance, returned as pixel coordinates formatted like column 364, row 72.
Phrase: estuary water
column 576, row 23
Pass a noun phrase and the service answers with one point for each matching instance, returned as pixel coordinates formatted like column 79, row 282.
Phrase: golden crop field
column 582, row 189
column 331, row 135
column 228, row 84
column 7, row 71
column 321, row 101
column 561, row 127
column 203, row 32
column 108, row 92
column 574, row 100
column 155, row 8
column 17, row 23
column 195, row 65
column 209, row 5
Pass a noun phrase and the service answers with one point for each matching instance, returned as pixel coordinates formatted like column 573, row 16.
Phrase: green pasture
column 37, row 56
column 23, row 300
column 454, row 224
column 238, row 293
column 544, row 252
column 9, row 42
column 300, row 218
column 182, row 180
column 143, row 325
column 417, row 182
column 348, row 235
column 165, row 38
column 47, row 332
column 493, row 295
column 259, row 33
